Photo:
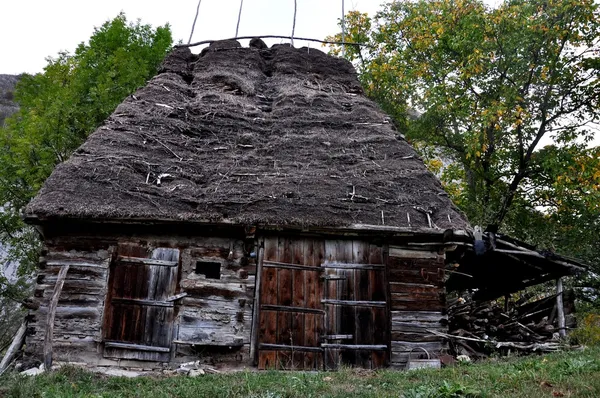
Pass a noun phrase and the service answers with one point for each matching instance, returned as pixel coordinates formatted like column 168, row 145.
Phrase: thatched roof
column 278, row 136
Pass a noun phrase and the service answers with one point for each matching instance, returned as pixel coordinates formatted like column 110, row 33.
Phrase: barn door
column 290, row 310
column 355, row 301
column 140, row 308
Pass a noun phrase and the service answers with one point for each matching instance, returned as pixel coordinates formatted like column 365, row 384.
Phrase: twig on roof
column 199, row 43
column 294, row 25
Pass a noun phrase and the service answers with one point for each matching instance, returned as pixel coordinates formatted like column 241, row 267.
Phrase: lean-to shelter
column 247, row 206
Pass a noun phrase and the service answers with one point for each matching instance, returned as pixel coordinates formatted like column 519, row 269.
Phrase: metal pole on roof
column 237, row 28
column 343, row 30
column 294, row 25
column 195, row 18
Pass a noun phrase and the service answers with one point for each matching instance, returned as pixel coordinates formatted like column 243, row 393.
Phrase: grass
column 564, row 374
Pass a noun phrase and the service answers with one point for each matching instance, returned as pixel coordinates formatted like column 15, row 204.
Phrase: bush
column 588, row 332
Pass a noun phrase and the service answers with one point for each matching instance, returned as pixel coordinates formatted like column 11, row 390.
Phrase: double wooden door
column 140, row 308
column 322, row 303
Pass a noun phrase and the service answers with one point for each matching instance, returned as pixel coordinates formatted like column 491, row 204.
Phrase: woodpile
column 477, row 329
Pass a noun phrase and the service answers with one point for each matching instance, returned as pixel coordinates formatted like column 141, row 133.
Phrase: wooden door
column 141, row 304
column 355, row 300
column 290, row 312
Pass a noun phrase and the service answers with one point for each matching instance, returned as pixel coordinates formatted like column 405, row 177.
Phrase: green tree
column 59, row 108
column 480, row 90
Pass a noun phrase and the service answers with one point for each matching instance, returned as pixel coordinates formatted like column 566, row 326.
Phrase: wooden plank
column 138, row 347
column 287, row 308
column 13, row 348
column 369, row 347
column 275, row 264
column 423, row 316
column 352, row 266
column 365, row 303
column 77, row 263
column 256, row 307
column 395, row 251
column 298, row 293
column 143, row 302
column 50, row 317
column 147, row 261
column 267, row 360
column 284, row 347
column 337, row 337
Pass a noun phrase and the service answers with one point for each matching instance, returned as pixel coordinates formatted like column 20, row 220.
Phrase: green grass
column 565, row 374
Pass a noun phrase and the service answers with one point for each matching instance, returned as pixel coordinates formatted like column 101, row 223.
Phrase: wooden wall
column 211, row 321
column 417, row 303
column 348, row 301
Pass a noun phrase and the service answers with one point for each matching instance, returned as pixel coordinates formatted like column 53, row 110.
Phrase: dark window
column 209, row 269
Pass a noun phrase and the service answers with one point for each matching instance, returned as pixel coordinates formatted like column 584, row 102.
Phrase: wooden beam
column 560, row 308
column 355, row 303
column 147, row 261
column 287, row 308
column 274, row 264
column 154, row 303
column 60, row 281
column 255, row 307
column 355, row 347
column 284, row 347
column 352, row 266
column 137, row 347
column 14, row 347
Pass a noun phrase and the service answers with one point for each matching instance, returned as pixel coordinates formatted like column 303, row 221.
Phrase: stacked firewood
column 478, row 329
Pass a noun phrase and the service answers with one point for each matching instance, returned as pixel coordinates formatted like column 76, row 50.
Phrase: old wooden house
column 248, row 206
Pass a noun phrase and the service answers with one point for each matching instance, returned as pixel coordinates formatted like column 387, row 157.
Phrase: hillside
column 7, row 105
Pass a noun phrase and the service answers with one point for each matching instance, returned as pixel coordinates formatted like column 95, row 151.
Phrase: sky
column 31, row 30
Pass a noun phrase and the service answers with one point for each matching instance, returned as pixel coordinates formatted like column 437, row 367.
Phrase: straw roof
column 275, row 136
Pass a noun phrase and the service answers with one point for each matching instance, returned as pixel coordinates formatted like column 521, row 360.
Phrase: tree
column 59, row 108
column 480, row 90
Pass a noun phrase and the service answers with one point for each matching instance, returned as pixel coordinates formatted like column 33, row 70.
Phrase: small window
column 211, row 270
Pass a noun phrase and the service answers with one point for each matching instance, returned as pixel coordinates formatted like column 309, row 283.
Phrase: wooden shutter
column 140, row 310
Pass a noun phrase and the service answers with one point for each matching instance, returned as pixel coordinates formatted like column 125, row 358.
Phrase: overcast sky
column 31, row 30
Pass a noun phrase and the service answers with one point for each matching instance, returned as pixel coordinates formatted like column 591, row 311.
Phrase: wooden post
column 60, row 281
column 256, row 306
column 560, row 309
column 14, row 347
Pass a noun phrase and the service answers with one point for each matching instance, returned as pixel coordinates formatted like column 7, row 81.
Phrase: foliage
column 574, row 373
column 60, row 107
column 480, row 91
column 588, row 332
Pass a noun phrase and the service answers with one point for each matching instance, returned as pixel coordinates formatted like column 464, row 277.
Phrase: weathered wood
column 287, row 308
column 395, row 251
column 13, row 348
column 352, row 266
column 77, row 263
column 274, row 264
column 560, row 308
column 355, row 303
column 371, row 347
column 256, row 307
column 147, row 261
column 144, row 302
column 284, row 347
column 337, row 337
column 423, row 316
column 138, row 347
column 50, row 317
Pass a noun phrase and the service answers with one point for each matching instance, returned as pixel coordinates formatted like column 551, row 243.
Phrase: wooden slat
column 284, row 347
column 404, row 253
column 352, row 266
column 371, row 347
column 337, row 337
column 275, row 264
column 147, row 261
column 287, row 308
column 138, row 347
column 156, row 303
column 50, row 317
column 355, row 303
